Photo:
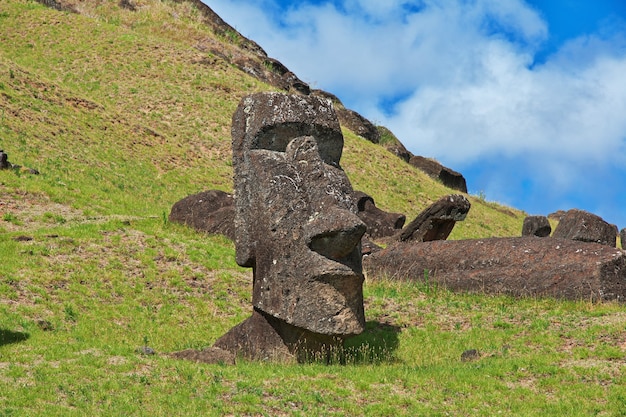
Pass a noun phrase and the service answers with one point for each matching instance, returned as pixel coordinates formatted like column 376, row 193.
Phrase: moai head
column 4, row 160
column 296, row 222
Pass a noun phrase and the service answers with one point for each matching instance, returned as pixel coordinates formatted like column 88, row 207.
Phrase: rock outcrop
column 554, row 267
column 585, row 227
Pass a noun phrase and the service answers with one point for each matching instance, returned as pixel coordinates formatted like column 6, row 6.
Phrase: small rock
column 470, row 355
column 45, row 325
column 145, row 350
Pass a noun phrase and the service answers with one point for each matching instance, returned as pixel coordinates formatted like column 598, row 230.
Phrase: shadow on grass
column 377, row 344
column 7, row 337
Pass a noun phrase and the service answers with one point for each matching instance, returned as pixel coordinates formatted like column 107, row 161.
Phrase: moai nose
column 335, row 234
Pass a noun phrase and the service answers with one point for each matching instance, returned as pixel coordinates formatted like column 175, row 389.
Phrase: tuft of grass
column 11, row 218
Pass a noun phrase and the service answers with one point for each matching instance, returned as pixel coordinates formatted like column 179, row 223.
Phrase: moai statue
column 538, row 226
column 296, row 227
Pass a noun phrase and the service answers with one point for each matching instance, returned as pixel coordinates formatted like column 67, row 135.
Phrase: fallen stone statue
column 296, row 226
column 523, row 266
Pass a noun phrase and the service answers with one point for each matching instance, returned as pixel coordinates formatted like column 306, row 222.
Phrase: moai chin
column 296, row 227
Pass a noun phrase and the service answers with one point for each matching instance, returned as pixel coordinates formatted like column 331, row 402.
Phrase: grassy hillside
column 124, row 113
column 129, row 104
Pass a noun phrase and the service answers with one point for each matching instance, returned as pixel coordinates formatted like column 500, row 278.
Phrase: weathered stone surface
column 210, row 211
column 536, row 226
column 269, row 121
column 586, row 227
column 379, row 222
column 437, row 221
column 520, row 266
column 295, row 225
column 447, row 176
column 358, row 124
column 622, row 238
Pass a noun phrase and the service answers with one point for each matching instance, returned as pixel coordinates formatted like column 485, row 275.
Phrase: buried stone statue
column 296, row 227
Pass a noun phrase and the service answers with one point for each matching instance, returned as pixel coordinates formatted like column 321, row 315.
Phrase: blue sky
column 526, row 98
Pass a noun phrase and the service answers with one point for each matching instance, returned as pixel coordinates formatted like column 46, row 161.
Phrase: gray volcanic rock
column 561, row 268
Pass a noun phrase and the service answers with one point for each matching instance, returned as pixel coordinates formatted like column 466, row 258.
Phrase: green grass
column 538, row 357
column 124, row 113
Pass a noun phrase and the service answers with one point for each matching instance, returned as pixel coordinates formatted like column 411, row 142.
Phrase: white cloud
column 508, row 109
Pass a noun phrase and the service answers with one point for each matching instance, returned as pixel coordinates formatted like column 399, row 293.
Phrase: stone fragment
column 379, row 222
column 296, row 225
column 437, row 221
column 210, row 211
column 538, row 226
column 470, row 355
column 585, row 227
column 555, row 267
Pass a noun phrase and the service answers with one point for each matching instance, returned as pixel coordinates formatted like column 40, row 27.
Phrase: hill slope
column 132, row 106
